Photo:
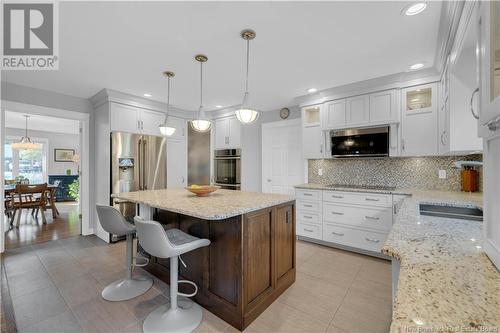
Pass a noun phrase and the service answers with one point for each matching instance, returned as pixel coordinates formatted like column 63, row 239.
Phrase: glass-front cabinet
column 489, row 37
column 311, row 115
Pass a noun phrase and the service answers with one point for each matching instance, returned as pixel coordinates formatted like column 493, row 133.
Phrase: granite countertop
column 312, row 186
column 218, row 205
column 446, row 282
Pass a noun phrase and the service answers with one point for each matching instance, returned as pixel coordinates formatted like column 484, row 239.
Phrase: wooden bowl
column 202, row 190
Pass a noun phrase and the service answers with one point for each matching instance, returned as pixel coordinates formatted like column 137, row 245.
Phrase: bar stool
column 181, row 315
column 124, row 289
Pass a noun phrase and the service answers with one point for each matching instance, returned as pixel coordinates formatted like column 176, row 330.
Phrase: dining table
column 53, row 188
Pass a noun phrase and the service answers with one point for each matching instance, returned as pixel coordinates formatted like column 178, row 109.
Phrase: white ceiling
column 126, row 45
column 41, row 123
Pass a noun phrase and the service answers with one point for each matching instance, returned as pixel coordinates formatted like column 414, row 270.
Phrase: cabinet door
column 221, row 133
column 180, row 128
column 419, row 121
column 383, row 107
column 489, row 63
column 358, row 110
column 150, row 122
column 234, row 140
column 312, row 142
column 124, row 118
column 333, row 115
column 284, row 239
column 176, row 163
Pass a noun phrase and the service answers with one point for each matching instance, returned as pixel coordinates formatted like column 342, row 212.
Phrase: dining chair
column 29, row 197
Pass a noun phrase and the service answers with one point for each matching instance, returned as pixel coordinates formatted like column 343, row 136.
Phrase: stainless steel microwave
column 360, row 142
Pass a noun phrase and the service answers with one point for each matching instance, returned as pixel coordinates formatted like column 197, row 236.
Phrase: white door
column 176, row 163
column 358, row 110
column 419, row 120
column 312, row 142
column 334, row 114
column 151, row 121
column 234, row 140
column 221, row 133
column 383, row 106
column 124, row 118
column 282, row 162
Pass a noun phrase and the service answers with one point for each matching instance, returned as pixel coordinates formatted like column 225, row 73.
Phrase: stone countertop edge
column 445, row 278
column 312, row 186
column 197, row 212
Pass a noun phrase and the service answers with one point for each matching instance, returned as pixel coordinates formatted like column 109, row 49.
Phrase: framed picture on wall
column 63, row 155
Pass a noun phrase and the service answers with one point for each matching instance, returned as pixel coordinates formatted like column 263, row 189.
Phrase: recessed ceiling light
column 312, row 90
column 415, row 67
column 147, row 95
column 218, row 106
column 414, row 8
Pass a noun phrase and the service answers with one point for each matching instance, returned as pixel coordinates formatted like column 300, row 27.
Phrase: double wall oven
column 227, row 167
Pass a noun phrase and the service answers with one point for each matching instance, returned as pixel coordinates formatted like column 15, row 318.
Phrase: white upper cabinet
column 227, row 133
column 151, row 121
column 180, row 128
column 489, row 64
column 419, row 120
column 313, row 138
column 383, row 107
column 358, row 110
column 124, row 118
column 458, row 107
column 333, row 114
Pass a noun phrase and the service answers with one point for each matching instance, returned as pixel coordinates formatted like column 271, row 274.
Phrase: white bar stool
column 124, row 289
column 181, row 315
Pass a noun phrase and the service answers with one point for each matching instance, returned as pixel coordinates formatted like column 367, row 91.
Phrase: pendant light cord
column 248, row 60
column 26, row 132
column 168, row 95
column 201, row 87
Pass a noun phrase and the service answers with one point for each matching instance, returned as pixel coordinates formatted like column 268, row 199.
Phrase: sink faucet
column 460, row 164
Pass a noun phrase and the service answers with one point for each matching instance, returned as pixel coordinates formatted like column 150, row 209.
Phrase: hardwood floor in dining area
column 32, row 231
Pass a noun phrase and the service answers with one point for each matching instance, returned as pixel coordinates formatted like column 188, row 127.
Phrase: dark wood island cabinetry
column 249, row 263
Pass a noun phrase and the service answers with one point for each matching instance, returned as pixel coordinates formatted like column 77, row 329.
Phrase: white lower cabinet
column 354, row 219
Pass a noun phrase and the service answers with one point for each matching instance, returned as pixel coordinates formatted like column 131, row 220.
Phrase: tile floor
column 55, row 287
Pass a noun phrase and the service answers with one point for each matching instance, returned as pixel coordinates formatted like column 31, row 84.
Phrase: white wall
column 56, row 140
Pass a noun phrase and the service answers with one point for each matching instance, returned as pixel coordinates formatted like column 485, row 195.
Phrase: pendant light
column 202, row 123
column 25, row 142
column 165, row 128
column 247, row 114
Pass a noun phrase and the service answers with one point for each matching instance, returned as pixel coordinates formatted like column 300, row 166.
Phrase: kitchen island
column 251, row 258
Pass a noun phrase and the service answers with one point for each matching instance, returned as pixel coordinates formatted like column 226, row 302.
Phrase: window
column 30, row 164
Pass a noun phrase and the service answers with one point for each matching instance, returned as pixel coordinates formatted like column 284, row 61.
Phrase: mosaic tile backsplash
column 402, row 172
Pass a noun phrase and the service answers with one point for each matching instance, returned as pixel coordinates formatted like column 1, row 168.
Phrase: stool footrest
column 140, row 261
column 191, row 283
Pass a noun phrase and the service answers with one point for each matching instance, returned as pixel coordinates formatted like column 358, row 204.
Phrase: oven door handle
column 227, row 158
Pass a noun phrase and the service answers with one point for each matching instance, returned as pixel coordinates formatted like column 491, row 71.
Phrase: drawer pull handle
column 308, row 230
column 337, row 213
column 337, row 234
column 371, row 199
column 307, row 205
column 372, row 218
column 308, row 194
column 372, row 240
column 307, row 216
column 337, row 196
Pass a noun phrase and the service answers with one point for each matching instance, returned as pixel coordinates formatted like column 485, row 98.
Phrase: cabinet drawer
column 361, row 217
column 365, row 199
column 308, row 206
column 309, row 230
column 307, row 217
column 308, row 194
column 362, row 239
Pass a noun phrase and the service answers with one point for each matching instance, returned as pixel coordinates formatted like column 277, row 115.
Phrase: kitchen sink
column 455, row 212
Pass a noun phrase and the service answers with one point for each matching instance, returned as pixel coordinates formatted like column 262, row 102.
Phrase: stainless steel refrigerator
column 138, row 162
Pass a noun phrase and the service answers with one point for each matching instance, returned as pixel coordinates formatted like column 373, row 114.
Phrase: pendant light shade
column 201, row 123
column 25, row 142
column 165, row 128
column 247, row 114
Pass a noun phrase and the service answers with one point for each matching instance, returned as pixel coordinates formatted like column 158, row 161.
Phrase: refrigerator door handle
column 139, row 165
column 144, row 162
